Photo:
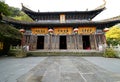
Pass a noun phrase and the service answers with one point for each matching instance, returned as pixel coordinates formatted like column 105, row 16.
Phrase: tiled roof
column 87, row 14
column 108, row 22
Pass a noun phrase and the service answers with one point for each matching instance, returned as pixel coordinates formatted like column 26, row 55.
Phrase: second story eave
column 81, row 15
column 99, row 24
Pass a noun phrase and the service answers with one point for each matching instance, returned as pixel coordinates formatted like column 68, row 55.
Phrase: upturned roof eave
column 91, row 23
column 108, row 22
column 94, row 12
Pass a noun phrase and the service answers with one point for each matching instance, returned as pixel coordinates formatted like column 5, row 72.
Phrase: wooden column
column 104, row 41
column 92, row 41
column 99, row 39
column 27, row 39
column 72, row 42
column 80, row 45
column 75, row 41
column 57, row 42
column 95, row 41
column 53, row 41
column 50, row 41
column 68, row 42
column 46, row 41
column 104, row 38
column 33, row 42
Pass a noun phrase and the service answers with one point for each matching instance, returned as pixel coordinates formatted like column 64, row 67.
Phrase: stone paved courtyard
column 59, row 69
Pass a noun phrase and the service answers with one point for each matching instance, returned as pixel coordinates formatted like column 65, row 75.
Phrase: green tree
column 4, row 9
column 14, row 11
column 8, row 35
column 23, row 17
column 113, row 35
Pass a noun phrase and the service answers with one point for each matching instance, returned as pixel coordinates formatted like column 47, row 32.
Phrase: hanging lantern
column 106, row 29
column 75, row 30
column 22, row 30
column 50, row 31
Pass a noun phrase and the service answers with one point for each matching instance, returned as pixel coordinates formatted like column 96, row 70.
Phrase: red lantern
column 22, row 30
column 50, row 31
column 106, row 29
column 75, row 30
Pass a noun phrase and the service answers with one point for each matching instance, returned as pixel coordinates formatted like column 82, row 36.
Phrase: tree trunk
column 0, row 16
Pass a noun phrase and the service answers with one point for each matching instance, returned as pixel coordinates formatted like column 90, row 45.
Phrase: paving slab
column 59, row 69
column 68, row 69
column 12, row 68
column 110, row 64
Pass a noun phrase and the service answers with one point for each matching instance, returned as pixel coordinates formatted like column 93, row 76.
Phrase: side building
column 63, row 30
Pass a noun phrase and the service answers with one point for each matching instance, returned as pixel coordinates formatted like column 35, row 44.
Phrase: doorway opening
column 40, row 42
column 86, row 42
column 63, row 42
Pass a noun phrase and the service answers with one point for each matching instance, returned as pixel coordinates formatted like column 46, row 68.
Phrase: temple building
column 63, row 30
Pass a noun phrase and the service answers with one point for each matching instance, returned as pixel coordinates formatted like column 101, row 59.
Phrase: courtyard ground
column 59, row 69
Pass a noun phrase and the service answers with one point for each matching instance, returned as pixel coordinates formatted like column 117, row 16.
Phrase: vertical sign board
column 62, row 18
column 1, row 45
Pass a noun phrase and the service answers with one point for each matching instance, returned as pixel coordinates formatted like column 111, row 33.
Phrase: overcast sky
column 112, row 6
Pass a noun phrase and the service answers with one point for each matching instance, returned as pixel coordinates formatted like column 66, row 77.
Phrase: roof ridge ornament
column 104, row 2
column 101, row 6
column 22, row 4
column 25, row 8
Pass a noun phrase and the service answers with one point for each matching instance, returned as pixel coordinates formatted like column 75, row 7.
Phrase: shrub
column 17, row 53
column 110, row 53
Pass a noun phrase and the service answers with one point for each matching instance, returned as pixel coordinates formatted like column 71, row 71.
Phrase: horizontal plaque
column 39, row 30
column 86, row 30
column 63, row 30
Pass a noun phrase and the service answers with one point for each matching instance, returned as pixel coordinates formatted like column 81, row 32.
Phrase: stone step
column 65, row 53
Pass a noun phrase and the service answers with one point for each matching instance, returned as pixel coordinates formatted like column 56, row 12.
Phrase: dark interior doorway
column 63, row 43
column 86, row 42
column 40, row 42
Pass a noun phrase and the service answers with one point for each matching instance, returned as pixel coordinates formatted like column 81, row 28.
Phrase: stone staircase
column 65, row 53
